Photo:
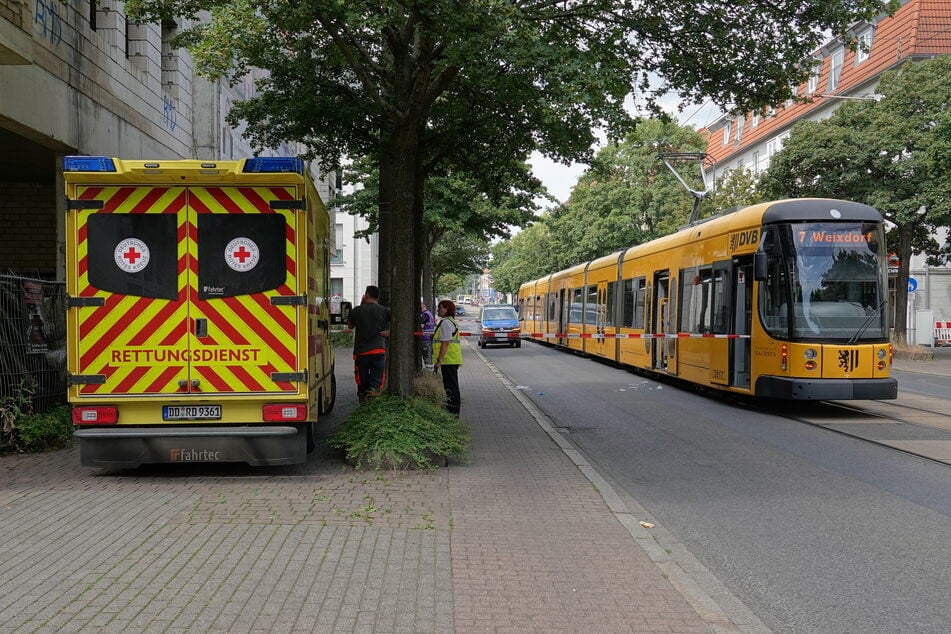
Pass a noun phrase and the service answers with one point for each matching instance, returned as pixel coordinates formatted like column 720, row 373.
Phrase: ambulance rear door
column 184, row 290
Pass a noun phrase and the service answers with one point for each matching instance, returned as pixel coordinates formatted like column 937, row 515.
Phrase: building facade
column 354, row 266
column 79, row 78
column 918, row 30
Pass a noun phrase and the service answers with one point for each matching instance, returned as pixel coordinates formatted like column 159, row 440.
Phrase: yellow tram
column 783, row 299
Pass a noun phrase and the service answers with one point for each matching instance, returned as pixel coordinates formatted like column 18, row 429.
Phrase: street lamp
column 874, row 97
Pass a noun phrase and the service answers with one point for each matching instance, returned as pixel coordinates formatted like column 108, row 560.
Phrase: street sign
column 912, row 284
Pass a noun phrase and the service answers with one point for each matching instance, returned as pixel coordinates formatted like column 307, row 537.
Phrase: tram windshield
column 826, row 281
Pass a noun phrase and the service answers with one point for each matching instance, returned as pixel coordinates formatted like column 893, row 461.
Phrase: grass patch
column 393, row 433
column 912, row 352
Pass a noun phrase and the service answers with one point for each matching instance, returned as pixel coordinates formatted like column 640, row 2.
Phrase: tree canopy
column 414, row 83
column 627, row 197
column 884, row 153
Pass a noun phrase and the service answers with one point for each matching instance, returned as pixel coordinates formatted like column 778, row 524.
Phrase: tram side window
column 721, row 312
column 591, row 306
column 633, row 316
column 773, row 296
column 612, row 303
column 552, row 306
column 639, row 292
column 627, row 317
column 574, row 312
column 696, row 306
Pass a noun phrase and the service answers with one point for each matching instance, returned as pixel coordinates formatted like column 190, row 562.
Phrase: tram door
column 660, row 319
column 742, row 321
column 601, row 317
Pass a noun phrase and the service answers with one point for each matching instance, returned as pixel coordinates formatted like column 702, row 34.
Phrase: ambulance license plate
column 191, row 412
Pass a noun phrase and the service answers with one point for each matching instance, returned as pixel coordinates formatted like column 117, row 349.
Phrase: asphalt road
column 814, row 531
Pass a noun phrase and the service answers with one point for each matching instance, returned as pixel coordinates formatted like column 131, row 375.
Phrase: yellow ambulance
column 198, row 314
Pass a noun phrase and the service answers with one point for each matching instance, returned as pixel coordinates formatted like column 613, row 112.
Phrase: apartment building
column 79, row 78
column 918, row 30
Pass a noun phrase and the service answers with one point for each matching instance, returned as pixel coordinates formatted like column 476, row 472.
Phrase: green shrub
column 53, row 429
column 393, row 433
column 341, row 339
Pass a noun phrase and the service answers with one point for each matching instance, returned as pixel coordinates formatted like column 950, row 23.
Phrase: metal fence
column 32, row 343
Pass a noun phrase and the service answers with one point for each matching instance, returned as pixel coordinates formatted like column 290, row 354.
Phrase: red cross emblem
column 242, row 254
column 132, row 255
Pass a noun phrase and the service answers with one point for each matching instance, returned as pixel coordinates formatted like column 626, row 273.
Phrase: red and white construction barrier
column 942, row 333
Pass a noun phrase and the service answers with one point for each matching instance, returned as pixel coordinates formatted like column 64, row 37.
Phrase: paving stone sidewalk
column 523, row 537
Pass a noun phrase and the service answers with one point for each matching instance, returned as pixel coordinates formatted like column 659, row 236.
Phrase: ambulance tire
column 325, row 409
column 311, row 429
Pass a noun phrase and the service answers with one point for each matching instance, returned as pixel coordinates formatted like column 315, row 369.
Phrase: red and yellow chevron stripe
column 147, row 345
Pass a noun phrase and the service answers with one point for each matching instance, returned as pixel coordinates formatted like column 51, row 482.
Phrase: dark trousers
column 450, row 383
column 370, row 372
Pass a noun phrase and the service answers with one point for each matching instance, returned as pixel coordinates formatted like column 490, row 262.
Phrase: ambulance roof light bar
column 271, row 164
column 88, row 164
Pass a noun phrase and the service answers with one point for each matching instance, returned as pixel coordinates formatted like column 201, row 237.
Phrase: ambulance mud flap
column 131, row 447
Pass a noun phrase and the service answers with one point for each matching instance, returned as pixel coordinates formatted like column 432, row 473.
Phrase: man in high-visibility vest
column 447, row 353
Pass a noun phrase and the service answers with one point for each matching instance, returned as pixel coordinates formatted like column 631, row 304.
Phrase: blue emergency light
column 271, row 164
column 88, row 164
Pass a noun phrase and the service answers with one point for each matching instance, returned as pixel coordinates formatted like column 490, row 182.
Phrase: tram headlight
column 810, row 365
column 881, row 353
column 810, row 353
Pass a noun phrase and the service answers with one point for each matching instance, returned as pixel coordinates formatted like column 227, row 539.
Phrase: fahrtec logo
column 195, row 455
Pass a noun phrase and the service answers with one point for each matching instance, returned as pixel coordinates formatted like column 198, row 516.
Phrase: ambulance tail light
column 88, row 164
column 96, row 415
column 284, row 412
column 273, row 164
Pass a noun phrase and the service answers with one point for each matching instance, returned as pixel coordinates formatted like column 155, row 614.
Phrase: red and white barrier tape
column 591, row 335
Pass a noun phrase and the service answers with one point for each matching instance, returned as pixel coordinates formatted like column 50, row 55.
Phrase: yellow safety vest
column 454, row 351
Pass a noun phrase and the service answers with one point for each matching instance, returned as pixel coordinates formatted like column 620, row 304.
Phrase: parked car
column 460, row 311
column 499, row 326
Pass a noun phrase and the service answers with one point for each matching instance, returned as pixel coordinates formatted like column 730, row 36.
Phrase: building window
column 756, row 162
column 775, row 145
column 835, row 69
column 813, row 83
column 337, row 257
column 739, row 130
column 336, row 287
column 754, row 119
column 864, row 46
column 727, row 128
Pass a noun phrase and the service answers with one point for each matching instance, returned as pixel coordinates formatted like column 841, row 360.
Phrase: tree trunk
column 384, row 269
column 402, row 146
column 905, row 233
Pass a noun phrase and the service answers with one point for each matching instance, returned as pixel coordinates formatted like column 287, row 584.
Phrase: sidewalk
column 525, row 537
column 542, row 543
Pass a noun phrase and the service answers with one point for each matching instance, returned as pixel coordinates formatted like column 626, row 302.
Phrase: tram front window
column 825, row 281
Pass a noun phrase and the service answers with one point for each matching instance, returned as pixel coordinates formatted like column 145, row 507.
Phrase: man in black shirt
column 371, row 325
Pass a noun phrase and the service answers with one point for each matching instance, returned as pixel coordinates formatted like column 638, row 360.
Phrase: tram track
column 913, row 423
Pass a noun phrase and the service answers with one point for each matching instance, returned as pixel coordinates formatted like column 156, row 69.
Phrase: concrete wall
column 72, row 82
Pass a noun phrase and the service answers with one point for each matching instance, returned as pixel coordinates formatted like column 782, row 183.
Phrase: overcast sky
column 559, row 179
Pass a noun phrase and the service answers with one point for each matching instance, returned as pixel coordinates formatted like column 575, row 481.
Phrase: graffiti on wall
column 47, row 22
column 169, row 115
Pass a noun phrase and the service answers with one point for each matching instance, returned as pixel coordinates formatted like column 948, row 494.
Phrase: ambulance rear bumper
column 130, row 447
